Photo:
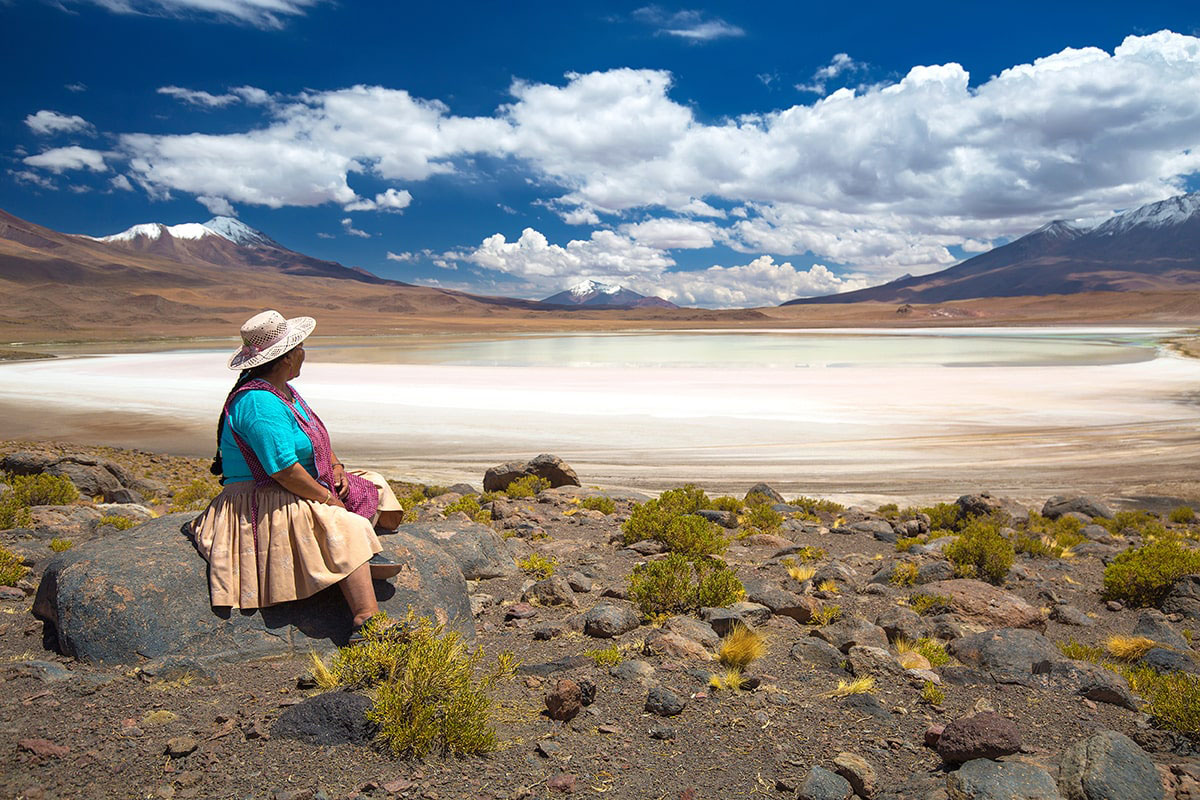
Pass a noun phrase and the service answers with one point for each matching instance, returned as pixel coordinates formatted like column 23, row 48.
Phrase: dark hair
column 218, row 468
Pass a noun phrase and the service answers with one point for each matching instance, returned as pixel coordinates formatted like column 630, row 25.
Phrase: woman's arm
column 339, row 475
column 297, row 481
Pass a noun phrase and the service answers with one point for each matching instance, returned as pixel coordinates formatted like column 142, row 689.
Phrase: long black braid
column 218, row 468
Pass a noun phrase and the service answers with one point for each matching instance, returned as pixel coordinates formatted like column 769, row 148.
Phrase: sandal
column 384, row 566
column 396, row 629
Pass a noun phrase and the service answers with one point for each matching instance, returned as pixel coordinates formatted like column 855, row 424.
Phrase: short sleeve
column 268, row 427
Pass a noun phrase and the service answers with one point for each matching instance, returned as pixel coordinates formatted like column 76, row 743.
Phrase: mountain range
column 1155, row 247
column 593, row 294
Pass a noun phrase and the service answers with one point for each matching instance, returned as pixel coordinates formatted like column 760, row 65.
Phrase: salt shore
column 851, row 432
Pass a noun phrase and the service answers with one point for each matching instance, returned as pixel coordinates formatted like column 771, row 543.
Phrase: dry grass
column 1128, row 648
column 741, row 647
column 856, row 686
column 802, row 574
column 828, row 585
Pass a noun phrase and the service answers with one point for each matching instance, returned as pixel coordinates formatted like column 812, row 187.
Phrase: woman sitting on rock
column 291, row 520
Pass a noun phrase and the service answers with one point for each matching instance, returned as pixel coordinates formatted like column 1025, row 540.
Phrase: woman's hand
column 340, row 485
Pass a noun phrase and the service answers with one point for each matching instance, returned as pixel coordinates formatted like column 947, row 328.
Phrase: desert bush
column 14, row 513
column 1143, row 576
column 1143, row 523
column 931, row 694
column 1172, row 700
column 469, row 505
column 430, row 695
column 527, row 486
column 114, row 521
column 828, row 585
column 61, row 545
column 605, row 657
column 11, row 567
column 933, row 650
column 812, row 505
column 196, row 495
column 1128, row 648
column 677, row 584
column 1045, row 538
column 906, row 543
column 809, row 553
column 888, row 511
column 801, row 574
column 761, row 517
column 42, row 489
column 904, row 574
column 537, row 564
column 727, row 503
column 1082, row 652
column 856, row 686
column 649, row 520
column 943, row 516
column 926, row 604
column 1182, row 515
column 604, row 505
column 741, row 647
column 981, row 551
column 826, row 616
column 693, row 535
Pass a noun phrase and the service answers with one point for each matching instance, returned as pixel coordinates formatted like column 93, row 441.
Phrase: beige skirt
column 303, row 546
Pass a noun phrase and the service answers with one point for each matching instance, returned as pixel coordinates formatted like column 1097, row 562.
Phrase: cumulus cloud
column 258, row 13
column 217, row 205
column 350, row 230
column 673, row 234
column 31, row 178
column 62, row 159
column 691, row 25
column 252, row 95
column 839, row 64
column 120, row 183
column 45, row 123
column 606, row 255
column 762, row 282
column 199, row 98
column 391, row 200
column 401, row 257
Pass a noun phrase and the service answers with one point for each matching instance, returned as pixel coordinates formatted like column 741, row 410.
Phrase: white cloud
column 259, row 13
column 975, row 246
column 45, row 123
column 252, row 95
column 76, row 87
column 841, row 63
column 673, row 234
column 120, row 183
column 350, row 230
column 31, row 178
column 606, row 255
column 217, row 205
column 692, row 25
column 401, row 257
column 199, row 98
column 61, row 159
column 321, row 235
column 390, row 200
column 762, row 282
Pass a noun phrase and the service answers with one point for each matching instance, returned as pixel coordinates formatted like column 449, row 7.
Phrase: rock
column 1153, row 625
column 1090, row 681
column 25, row 463
column 477, row 549
column 1108, row 765
column 562, row 782
column 44, row 671
column 722, row 620
column 932, row 734
column 801, row 608
column 327, row 719
column 987, row 605
column 548, row 668
column 1097, row 533
column 872, row 661
column 881, row 529
column 1009, row 653
column 899, row 622
column 547, row 466
column 606, row 620
column 850, row 631
column 564, row 702
column 820, row 654
column 1070, row 615
column 1058, row 505
column 632, row 670
column 664, row 702
column 552, row 591
column 1184, row 598
column 662, row 733
column 726, row 519
column 520, row 611
column 580, row 583
column 983, row 504
column 933, row 571
column 764, row 540
column 481, row 602
column 834, row 571
column 858, row 772
column 821, row 784
column 983, row 779
column 647, row 547
column 1164, row 660
column 695, row 630
column 913, row 660
column 986, row 735
column 676, row 646
column 866, row 704
column 172, row 669
column 766, row 490
column 181, row 746
column 143, row 593
column 43, row 748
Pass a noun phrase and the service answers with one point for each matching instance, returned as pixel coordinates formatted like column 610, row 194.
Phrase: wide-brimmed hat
column 269, row 335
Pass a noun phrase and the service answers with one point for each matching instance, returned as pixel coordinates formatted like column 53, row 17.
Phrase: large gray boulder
column 1007, row 653
column 143, row 594
column 478, row 550
column 1108, row 765
column 547, row 466
column 1184, row 597
column 984, row 779
column 1058, row 505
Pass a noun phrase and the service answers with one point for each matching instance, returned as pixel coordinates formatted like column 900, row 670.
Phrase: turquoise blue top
column 267, row 425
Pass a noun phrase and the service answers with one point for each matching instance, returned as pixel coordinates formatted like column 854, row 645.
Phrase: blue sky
column 720, row 154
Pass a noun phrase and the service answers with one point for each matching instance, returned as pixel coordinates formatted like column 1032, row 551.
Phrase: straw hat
column 267, row 336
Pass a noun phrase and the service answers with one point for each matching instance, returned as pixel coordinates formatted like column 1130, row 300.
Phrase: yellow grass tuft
column 802, row 574
column 732, row 679
column 741, row 647
column 856, row 686
column 903, row 646
column 1128, row 648
column 324, row 678
column 828, row 585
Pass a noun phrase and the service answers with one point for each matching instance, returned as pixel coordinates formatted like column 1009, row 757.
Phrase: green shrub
column 826, row 616
column 809, row 553
column 931, row 694
column 906, row 543
column 651, row 519
column 888, row 511
column 42, row 489
column 933, row 650
column 61, row 545
column 1143, row 576
column 692, row 535
column 1143, row 523
column 469, row 505
column 604, row 505
column 904, row 574
column 981, row 551
column 1171, row 699
column 677, row 584
column 196, row 495
column 761, row 517
column 1082, row 652
column 606, row 657
column 943, row 516
column 114, row 521
column 537, row 564
column 813, row 505
column 925, row 604
column 759, row 499
column 11, row 567
column 431, row 696
column 14, row 513
column 1183, row 515
column 528, row 486
column 727, row 503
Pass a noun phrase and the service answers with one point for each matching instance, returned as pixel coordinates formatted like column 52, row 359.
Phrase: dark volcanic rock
column 330, row 718
column 851, row 631
column 607, row 620
column 1088, row 680
column 144, row 593
column 1164, row 660
column 1008, row 652
column 821, row 784
column 766, row 490
column 983, row 504
column 801, row 608
column 983, row 779
column 1153, row 625
column 820, row 654
column 565, row 700
column 901, row 623
column 1184, row 597
column 547, row 466
column 1058, row 505
column 982, row 603
column 1108, row 765
column 664, row 702
column 986, row 735
column 477, row 549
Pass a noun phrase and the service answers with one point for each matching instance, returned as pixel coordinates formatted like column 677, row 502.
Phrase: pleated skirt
column 302, row 546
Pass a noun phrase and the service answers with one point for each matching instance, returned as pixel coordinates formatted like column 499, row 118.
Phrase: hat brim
column 298, row 330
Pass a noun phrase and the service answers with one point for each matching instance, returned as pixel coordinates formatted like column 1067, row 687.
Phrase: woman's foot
column 391, row 629
column 384, row 566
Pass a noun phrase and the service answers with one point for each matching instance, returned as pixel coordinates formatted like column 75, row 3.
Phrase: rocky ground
column 1015, row 717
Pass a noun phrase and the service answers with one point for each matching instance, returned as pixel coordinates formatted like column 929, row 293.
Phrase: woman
column 291, row 520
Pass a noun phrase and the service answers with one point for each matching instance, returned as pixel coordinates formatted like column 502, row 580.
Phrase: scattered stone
column 181, row 746
column 983, row 779
column 818, row 653
column 545, row 633
column 327, row 719
column 481, row 602
column 564, row 702
column 676, row 646
column 859, row 772
column 801, row 608
column 647, row 547
column 1153, row 624
column 913, row 660
column 1070, row 615
column 562, row 782
column 866, row 704
column 982, row 603
column 587, row 691
column 932, row 734
column 1108, row 765
column 662, row 732
column 726, row 519
column 1164, row 660
column 1008, row 653
column 43, row 748
column 607, row 620
column 1184, row 598
column 881, row 529
column 1059, row 505
column 520, row 611
column 984, row 504
column 1090, row 681
column 173, row 669
column 766, row 490
column 11, row 593
column 986, row 735
column 852, row 631
column 664, row 702
column 1114, row 605
column 821, row 784
column 552, row 591
column 580, row 583
column 44, row 671
column 633, row 669
column 547, row 466
column 695, row 630
column 872, row 661
column 899, row 622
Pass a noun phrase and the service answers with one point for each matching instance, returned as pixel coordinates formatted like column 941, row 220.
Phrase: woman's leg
column 360, row 594
column 390, row 520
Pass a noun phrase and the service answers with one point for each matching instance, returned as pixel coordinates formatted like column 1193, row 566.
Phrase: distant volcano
column 593, row 294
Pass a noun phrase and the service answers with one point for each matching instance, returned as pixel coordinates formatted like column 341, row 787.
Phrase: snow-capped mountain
column 1149, row 248
column 228, row 228
column 594, row 294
